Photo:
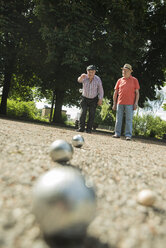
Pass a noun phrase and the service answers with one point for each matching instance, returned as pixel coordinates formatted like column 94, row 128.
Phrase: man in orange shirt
column 125, row 99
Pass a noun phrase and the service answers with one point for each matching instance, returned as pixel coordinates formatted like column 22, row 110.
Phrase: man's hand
column 115, row 99
column 100, row 102
column 114, row 107
column 135, row 106
column 82, row 77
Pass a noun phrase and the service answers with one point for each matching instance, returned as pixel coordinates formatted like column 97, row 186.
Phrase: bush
column 25, row 110
column 64, row 117
column 149, row 126
column 70, row 123
column 107, row 119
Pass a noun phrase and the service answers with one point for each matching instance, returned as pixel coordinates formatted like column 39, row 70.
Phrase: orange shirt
column 126, row 90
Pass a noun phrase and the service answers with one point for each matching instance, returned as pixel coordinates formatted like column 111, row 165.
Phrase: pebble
column 146, row 197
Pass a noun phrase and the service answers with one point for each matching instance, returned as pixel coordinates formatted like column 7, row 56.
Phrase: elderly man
column 92, row 95
column 125, row 99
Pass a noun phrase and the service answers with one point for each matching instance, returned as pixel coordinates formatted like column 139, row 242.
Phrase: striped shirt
column 93, row 88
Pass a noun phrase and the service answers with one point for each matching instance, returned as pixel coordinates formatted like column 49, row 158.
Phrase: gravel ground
column 118, row 168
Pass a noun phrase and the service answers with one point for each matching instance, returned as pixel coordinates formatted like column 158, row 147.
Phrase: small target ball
column 61, row 151
column 77, row 141
column 146, row 197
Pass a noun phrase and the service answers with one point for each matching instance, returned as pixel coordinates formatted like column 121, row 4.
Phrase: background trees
column 48, row 44
column 13, row 24
column 20, row 50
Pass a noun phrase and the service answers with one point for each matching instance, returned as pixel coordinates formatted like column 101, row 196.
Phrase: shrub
column 64, row 117
column 70, row 123
column 149, row 126
column 25, row 110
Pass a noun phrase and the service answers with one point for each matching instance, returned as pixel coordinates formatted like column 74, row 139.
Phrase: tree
column 67, row 38
column 22, row 51
column 51, row 43
column 107, row 33
column 164, row 105
column 154, row 105
column 77, row 38
column 150, row 67
column 12, row 21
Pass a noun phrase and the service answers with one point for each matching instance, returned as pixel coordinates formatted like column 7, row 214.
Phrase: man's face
column 91, row 73
column 126, row 73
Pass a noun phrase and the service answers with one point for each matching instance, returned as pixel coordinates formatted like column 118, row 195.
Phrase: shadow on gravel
column 154, row 141
column 159, row 211
column 86, row 242
column 141, row 139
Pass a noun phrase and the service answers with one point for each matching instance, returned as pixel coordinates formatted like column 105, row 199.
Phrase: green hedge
column 26, row 110
column 149, row 126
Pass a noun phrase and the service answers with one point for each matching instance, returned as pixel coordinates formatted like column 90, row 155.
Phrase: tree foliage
column 108, row 34
column 18, row 43
column 164, row 106
column 49, row 43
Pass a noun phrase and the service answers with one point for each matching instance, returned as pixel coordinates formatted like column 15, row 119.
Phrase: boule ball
column 77, row 140
column 146, row 197
column 61, row 151
column 63, row 202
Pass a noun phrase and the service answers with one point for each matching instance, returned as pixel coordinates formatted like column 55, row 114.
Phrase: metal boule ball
column 77, row 140
column 61, row 151
column 64, row 202
column 146, row 197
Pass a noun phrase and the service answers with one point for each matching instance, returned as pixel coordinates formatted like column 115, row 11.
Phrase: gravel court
column 118, row 168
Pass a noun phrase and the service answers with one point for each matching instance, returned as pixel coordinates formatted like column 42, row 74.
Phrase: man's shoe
column 80, row 130
column 116, row 136
column 128, row 138
column 88, row 131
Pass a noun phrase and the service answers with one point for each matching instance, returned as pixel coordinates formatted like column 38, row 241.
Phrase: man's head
column 126, row 70
column 91, row 67
column 91, row 70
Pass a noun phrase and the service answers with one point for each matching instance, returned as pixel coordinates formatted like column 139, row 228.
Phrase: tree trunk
column 58, row 106
column 52, row 105
column 7, row 74
column 5, row 92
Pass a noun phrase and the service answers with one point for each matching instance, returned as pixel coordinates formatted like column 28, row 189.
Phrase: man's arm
column 101, row 93
column 81, row 78
column 115, row 99
column 136, row 99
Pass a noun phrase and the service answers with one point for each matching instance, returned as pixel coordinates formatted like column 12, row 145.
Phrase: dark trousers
column 90, row 105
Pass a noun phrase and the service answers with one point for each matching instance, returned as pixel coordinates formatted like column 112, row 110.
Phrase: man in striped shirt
column 92, row 95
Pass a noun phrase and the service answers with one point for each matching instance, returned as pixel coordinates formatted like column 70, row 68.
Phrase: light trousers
column 128, row 110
